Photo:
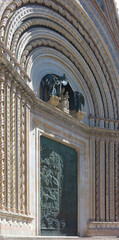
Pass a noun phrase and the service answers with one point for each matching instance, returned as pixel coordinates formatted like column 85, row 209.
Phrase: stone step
column 59, row 238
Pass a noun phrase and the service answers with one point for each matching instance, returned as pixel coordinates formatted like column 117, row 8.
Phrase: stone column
column 13, row 146
column 18, row 148
column 7, row 141
column 116, row 150
column 22, row 156
column 27, row 127
column 102, row 180
column 107, row 172
column 112, row 194
column 97, row 178
column 92, row 178
column 2, row 145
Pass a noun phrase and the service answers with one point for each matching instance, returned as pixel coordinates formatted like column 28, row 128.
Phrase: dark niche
column 59, row 86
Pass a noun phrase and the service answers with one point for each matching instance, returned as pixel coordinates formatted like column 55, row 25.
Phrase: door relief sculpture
column 58, row 189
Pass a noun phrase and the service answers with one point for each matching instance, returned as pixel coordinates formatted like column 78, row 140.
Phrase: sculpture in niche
column 78, row 100
column 57, row 91
column 53, row 84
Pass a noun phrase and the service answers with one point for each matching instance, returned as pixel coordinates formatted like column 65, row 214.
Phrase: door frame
column 81, row 146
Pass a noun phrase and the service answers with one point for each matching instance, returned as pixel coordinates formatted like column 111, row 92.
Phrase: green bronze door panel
column 58, row 167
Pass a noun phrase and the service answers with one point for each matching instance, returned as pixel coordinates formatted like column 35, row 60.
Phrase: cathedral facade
column 59, row 118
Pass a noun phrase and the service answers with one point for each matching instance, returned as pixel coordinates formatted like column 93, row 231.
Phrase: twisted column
column 7, row 140
column 18, row 147
column 112, row 194
column 97, row 179
column 2, row 146
column 22, row 158
column 116, row 150
column 13, row 146
column 92, row 179
column 107, row 183
column 102, row 180
column 27, row 127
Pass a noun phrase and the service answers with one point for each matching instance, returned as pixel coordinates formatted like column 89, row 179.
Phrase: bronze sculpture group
column 55, row 86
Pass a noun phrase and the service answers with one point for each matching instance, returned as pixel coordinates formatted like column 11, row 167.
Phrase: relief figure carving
column 51, row 188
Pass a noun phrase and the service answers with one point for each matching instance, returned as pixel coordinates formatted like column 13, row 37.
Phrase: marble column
column 22, row 156
column 102, row 180
column 13, row 146
column 18, row 148
column 7, row 142
column 2, row 146
column 27, row 131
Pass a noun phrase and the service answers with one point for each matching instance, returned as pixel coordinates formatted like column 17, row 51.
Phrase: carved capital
column 2, row 77
column 8, row 83
column 13, row 87
column 28, row 105
column 18, row 93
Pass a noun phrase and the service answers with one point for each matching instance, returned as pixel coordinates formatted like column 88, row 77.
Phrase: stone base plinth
column 14, row 224
column 59, row 238
column 54, row 101
column 103, row 229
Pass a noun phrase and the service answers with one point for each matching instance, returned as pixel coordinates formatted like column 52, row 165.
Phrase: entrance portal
column 58, row 166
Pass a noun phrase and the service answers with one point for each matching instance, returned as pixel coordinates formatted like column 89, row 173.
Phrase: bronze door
column 58, row 168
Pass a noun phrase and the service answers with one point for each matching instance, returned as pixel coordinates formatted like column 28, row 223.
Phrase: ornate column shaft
column 2, row 145
column 22, row 157
column 92, row 178
column 13, row 146
column 97, row 154
column 116, row 150
column 102, row 180
column 7, row 140
column 112, row 195
column 27, row 127
column 107, row 182
column 18, row 147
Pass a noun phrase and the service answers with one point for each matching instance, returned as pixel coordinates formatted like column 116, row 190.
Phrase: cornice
column 65, row 119
column 16, row 215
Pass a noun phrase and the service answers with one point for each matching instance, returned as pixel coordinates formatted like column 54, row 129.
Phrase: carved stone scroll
column 2, row 147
